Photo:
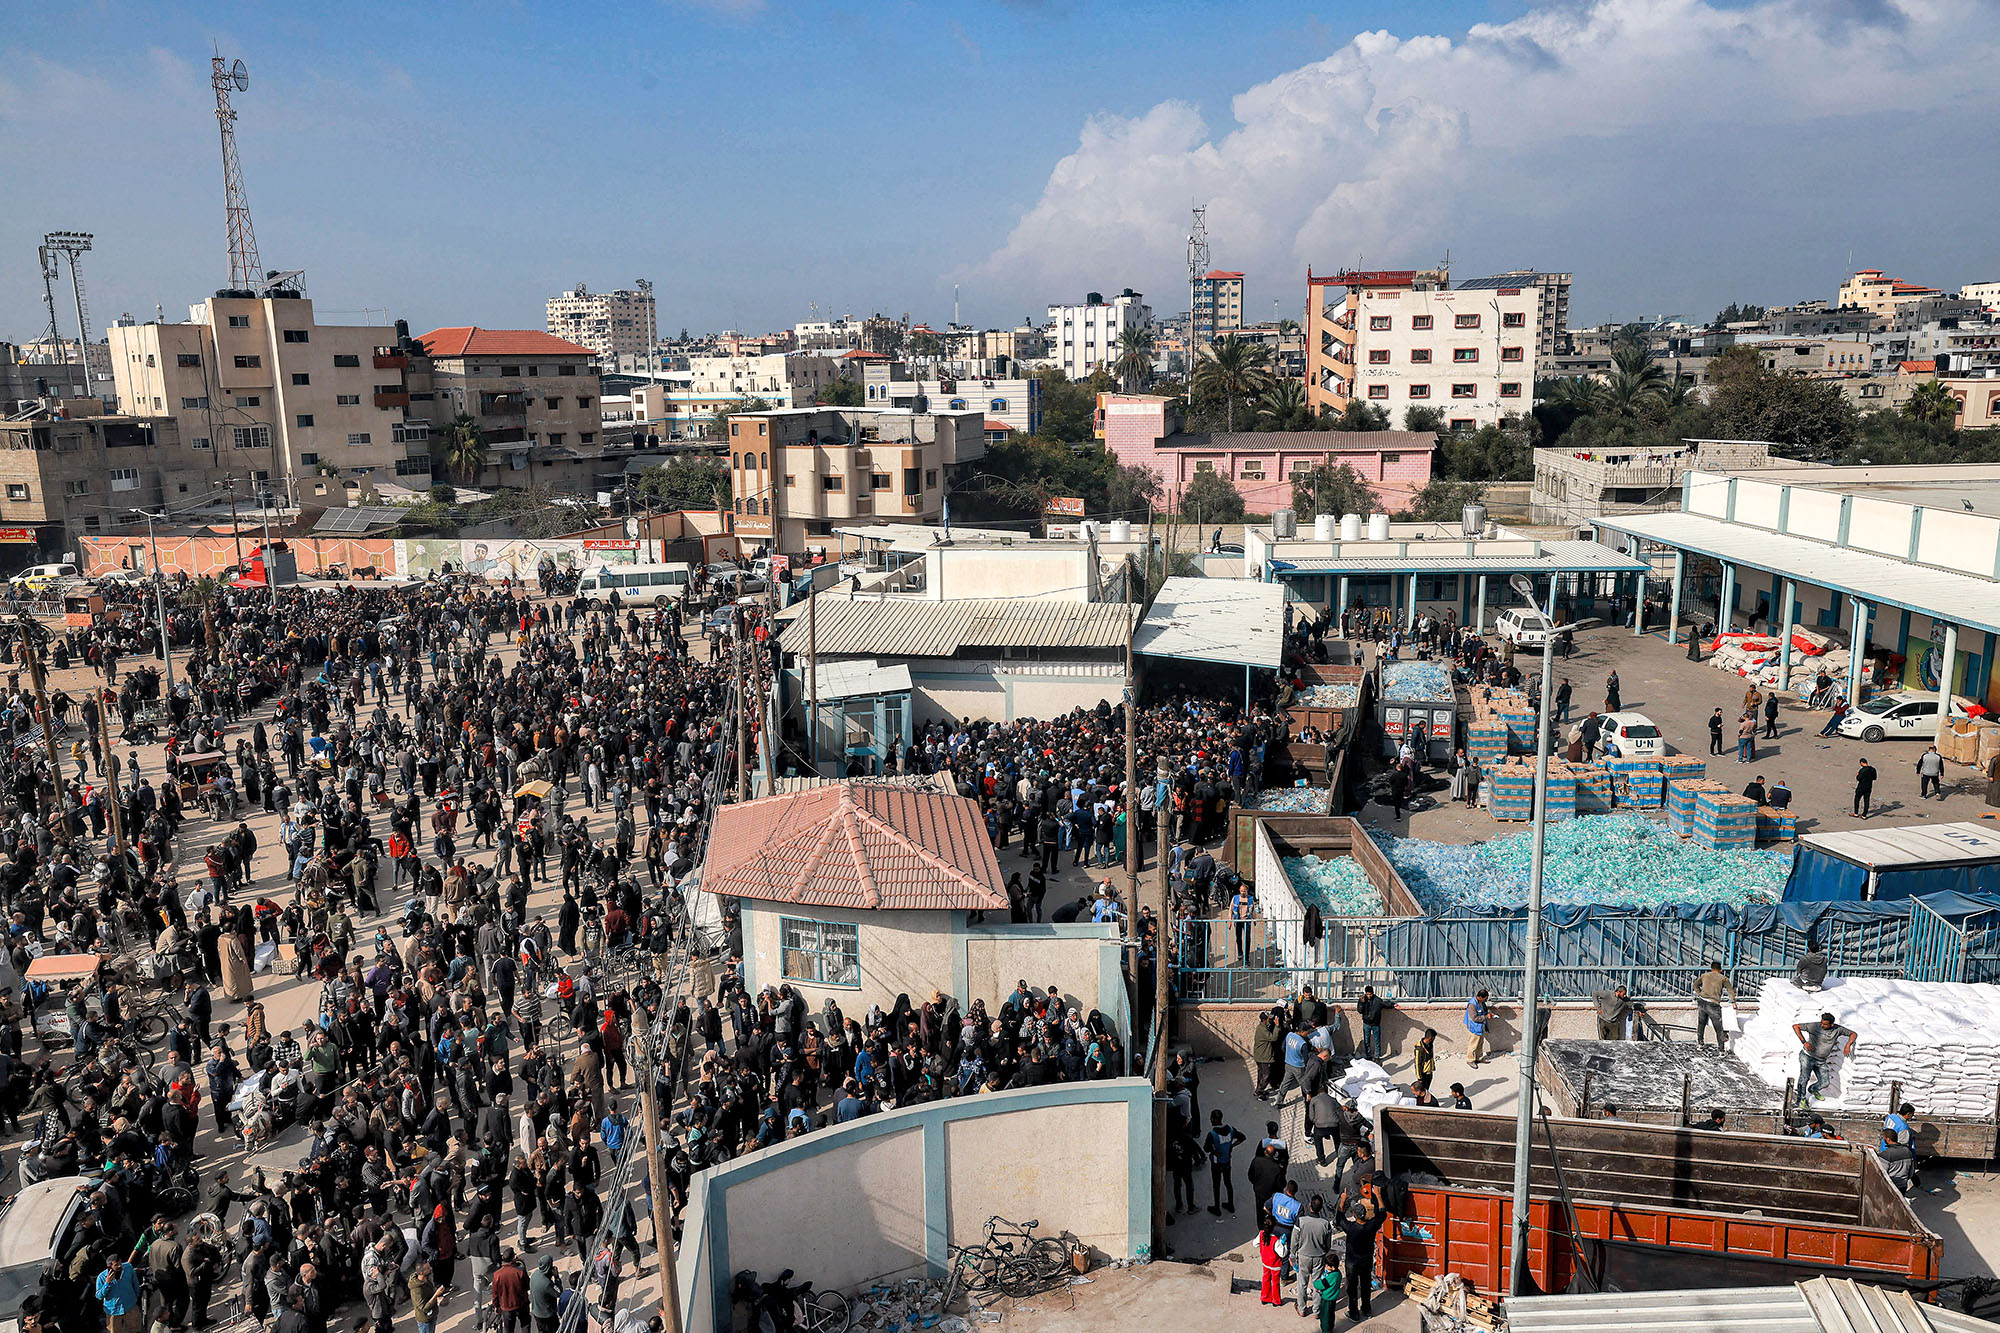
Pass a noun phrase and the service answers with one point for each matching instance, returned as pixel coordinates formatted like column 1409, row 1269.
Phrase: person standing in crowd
column 1864, row 789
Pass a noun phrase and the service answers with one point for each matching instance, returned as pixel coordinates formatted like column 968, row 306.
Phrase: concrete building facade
column 1083, row 338
column 71, row 470
column 1014, row 403
column 533, row 395
column 317, row 409
column 1868, row 289
column 1574, row 486
column 1218, row 305
column 1552, row 326
column 23, row 380
column 618, row 327
column 796, row 472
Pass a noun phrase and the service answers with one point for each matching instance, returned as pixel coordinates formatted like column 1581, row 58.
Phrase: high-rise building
column 1083, row 338
column 1404, row 338
column 1553, row 323
column 317, row 408
column 620, row 327
column 1218, row 305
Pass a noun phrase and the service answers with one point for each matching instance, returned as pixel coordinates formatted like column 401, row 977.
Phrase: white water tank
column 1350, row 527
column 1284, row 524
column 1121, row 529
column 1089, row 529
column 1326, row 528
column 1378, row 527
column 1473, row 519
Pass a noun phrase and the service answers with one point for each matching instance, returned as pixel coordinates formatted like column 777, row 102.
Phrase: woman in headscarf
column 236, row 966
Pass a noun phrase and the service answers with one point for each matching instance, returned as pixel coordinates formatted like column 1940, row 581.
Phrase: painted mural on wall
column 497, row 558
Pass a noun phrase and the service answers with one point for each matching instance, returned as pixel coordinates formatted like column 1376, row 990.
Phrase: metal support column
column 1638, row 603
column 1342, row 608
column 1480, row 627
column 1788, row 599
column 1674, row 599
column 1725, row 606
column 1857, row 655
column 1410, row 614
column 1946, row 665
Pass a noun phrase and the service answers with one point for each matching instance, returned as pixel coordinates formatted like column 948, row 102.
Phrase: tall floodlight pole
column 1524, row 1111
column 1197, row 259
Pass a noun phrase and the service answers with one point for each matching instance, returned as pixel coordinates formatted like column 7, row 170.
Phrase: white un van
column 645, row 584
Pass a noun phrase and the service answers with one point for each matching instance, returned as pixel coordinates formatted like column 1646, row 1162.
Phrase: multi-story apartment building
column 1869, row 290
column 22, row 380
column 1012, row 404
column 1552, row 321
column 1819, row 358
column 620, row 328
column 1921, row 330
column 318, row 409
column 71, row 470
column 795, row 472
column 1084, row 337
column 1986, row 293
column 827, row 335
column 1572, row 487
column 1218, row 305
column 683, row 405
column 533, row 395
column 1402, row 338
column 1812, row 319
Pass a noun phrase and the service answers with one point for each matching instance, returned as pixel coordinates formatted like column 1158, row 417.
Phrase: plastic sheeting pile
column 1935, row 1038
column 1338, row 886
column 1604, row 861
column 1298, row 800
column 1755, row 657
column 1417, row 682
column 1340, row 694
column 1370, row 1086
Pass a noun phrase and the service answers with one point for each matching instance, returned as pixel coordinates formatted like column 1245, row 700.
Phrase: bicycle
column 783, row 1306
column 1044, row 1258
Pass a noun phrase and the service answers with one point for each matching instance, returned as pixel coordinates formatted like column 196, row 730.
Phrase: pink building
column 1144, row 429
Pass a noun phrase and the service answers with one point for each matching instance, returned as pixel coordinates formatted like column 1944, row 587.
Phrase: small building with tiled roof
column 865, row 890
column 471, row 340
column 536, row 399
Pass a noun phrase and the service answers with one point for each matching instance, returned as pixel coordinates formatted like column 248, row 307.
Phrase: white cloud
column 1392, row 149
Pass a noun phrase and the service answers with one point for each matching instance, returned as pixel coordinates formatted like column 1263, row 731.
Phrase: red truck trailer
column 1631, row 1207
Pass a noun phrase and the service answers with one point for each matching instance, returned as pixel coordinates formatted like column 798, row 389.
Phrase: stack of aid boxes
column 1724, row 821
column 1509, row 710
column 1681, row 794
column 1513, row 792
column 1486, row 742
column 1637, row 782
column 1594, row 789
column 1776, row 825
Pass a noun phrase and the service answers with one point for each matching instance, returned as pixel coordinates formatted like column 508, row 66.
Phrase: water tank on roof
column 1472, row 519
column 1350, row 527
column 1093, row 298
column 1089, row 527
column 1284, row 524
column 1378, row 527
column 1121, row 529
column 1326, row 528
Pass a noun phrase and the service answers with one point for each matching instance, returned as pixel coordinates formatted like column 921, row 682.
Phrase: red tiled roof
column 998, row 425
column 859, row 355
column 471, row 340
column 1220, row 273
column 859, row 845
column 1918, row 367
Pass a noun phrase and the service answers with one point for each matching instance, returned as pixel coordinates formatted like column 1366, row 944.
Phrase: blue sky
column 456, row 163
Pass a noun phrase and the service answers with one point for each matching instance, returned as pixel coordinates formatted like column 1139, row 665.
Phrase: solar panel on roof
column 364, row 518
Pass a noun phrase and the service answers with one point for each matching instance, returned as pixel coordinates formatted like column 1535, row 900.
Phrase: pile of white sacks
column 1370, row 1086
column 1939, row 1040
column 1755, row 658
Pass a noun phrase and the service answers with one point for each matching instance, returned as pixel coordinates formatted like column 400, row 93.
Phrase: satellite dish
column 239, row 76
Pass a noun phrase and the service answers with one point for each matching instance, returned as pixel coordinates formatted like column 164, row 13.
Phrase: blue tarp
column 1820, row 877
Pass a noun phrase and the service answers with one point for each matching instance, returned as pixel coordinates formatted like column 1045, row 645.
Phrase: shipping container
column 1870, row 864
column 1431, row 724
column 1622, row 1206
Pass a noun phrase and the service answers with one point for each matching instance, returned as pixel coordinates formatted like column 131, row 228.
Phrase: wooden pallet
column 1479, row 1312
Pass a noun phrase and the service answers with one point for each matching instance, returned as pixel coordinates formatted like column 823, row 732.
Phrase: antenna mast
column 51, row 272
column 246, row 271
column 1197, row 256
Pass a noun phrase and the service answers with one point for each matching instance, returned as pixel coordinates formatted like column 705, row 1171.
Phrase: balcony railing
column 391, row 361
column 392, row 399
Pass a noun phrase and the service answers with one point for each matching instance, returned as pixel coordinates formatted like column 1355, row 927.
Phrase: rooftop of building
column 1305, row 441
column 875, row 627
column 472, row 340
column 1215, row 274
column 856, row 845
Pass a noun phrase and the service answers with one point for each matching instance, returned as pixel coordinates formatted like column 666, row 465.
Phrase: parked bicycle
column 784, row 1306
column 1012, row 1261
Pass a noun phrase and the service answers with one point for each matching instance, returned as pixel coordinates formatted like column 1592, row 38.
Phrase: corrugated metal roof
column 860, row 845
column 1962, row 599
column 1911, row 844
column 1556, row 558
column 1215, row 620
column 855, row 625
column 1822, row 1305
column 851, row 679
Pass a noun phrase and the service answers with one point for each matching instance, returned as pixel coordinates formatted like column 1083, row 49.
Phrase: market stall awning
column 1215, row 620
column 1961, row 599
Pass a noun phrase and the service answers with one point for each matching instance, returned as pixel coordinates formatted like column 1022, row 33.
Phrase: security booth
column 859, row 710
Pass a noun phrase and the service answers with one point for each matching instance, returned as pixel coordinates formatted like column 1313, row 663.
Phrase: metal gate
column 1936, row 946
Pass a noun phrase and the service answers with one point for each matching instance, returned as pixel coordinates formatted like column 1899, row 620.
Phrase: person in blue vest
column 1478, row 1015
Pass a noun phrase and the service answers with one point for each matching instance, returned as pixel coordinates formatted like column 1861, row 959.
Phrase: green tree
column 1069, row 408
column 685, row 483
column 1358, row 415
column 1209, row 498
column 1135, row 358
column 1933, row 404
column 1489, row 454
column 718, row 420
column 1284, row 407
column 1424, row 418
column 464, row 449
column 1811, row 418
column 539, row 510
column 843, row 392
column 1636, row 383
column 1331, row 488
column 443, row 494
column 926, row 346
column 1231, row 369
column 1443, row 500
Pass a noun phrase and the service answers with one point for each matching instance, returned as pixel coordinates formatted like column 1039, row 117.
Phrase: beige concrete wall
column 1224, row 1030
column 901, row 953
column 845, row 1217
column 993, row 963
column 1079, row 1173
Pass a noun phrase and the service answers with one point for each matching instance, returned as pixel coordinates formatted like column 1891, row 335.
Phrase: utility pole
column 111, row 775
column 33, row 634
column 270, row 584
column 1134, row 855
column 742, row 711
column 160, row 595
column 812, row 677
column 229, row 484
column 663, row 1227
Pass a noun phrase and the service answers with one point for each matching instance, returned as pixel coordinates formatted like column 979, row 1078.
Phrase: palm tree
column 1678, row 394
column 204, row 592
column 1284, row 407
column 1135, row 357
column 1576, row 393
column 464, row 449
column 1230, row 369
column 1636, row 383
column 1933, row 404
